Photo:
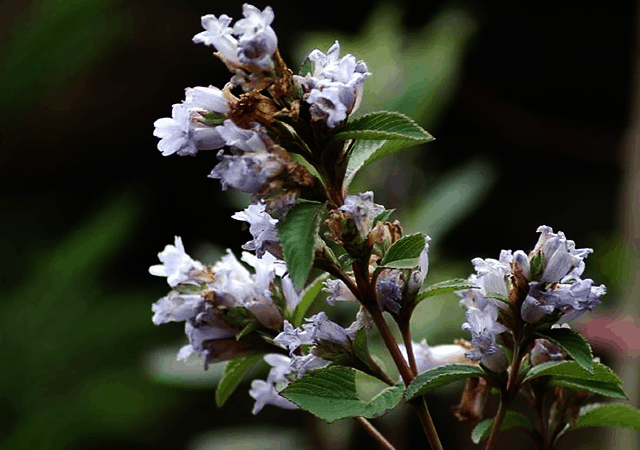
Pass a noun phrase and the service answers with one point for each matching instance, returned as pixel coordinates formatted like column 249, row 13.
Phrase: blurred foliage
column 83, row 366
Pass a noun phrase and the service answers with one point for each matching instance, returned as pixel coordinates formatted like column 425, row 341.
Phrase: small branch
column 497, row 420
column 506, row 394
column 405, row 329
column 373, row 431
column 429, row 427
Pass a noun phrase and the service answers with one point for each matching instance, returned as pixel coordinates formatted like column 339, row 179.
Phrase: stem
column 497, row 420
column 375, row 433
column 407, row 375
column 405, row 329
column 427, row 423
column 506, row 395
column 391, row 344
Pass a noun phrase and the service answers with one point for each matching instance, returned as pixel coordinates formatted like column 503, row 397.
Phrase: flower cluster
column 541, row 288
column 287, row 140
column 221, row 302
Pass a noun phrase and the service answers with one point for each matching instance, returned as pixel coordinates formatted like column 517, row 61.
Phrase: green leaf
column 608, row 415
column 248, row 328
column 331, row 394
column 308, row 296
column 573, row 343
column 383, row 216
column 597, row 387
column 571, row 369
column 233, row 373
column 439, row 376
column 446, row 287
column 298, row 232
column 511, row 420
column 364, row 152
column 384, row 125
column 569, row 374
column 306, row 67
column 404, row 252
column 537, row 265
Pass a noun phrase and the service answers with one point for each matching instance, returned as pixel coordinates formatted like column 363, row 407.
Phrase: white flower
column 483, row 326
column 261, row 226
column 430, row 357
column 176, row 264
column 334, row 90
column 184, row 133
column 245, row 140
column 362, row 210
column 175, row 307
column 317, row 329
column 256, row 41
column 561, row 258
column 218, row 34
column 337, row 290
column 264, row 392
column 249, row 173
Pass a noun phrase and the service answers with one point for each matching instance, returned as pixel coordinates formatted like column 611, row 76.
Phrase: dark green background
column 529, row 105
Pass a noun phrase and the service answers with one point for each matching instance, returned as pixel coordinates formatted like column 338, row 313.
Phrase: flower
column 255, row 41
column 334, row 90
column 176, row 265
column 337, row 290
column 184, row 133
column 264, row 392
column 483, row 326
column 362, row 211
column 430, row 357
column 561, row 258
column 261, row 226
column 319, row 329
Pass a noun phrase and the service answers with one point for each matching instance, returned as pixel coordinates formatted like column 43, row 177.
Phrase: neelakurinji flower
column 250, row 43
column 335, row 88
column 184, row 132
column 264, row 392
column 428, row 357
column 228, row 284
column 262, row 227
column 484, row 327
column 176, row 265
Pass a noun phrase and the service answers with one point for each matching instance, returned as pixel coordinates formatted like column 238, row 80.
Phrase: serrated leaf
column 573, row 343
column 233, row 373
column 405, row 252
column 308, row 296
column 571, row 369
column 608, row 415
column 298, row 232
column 384, row 125
column 331, row 394
column 364, row 152
column 569, row 374
column 446, row 287
column 440, row 376
column 597, row 387
column 511, row 420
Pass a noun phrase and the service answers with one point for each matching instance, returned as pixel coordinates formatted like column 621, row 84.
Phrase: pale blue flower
column 261, row 226
column 335, row 88
column 176, row 265
column 362, row 210
column 264, row 392
column 184, row 133
column 484, row 327
column 251, row 41
column 428, row 357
